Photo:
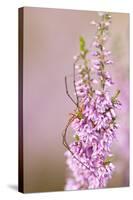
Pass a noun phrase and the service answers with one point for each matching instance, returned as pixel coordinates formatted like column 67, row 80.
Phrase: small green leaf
column 115, row 96
column 108, row 160
column 79, row 115
column 77, row 138
column 82, row 44
column 117, row 93
column 107, row 16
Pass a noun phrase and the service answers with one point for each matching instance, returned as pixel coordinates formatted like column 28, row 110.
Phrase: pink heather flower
column 109, row 62
column 94, row 123
column 94, row 53
column 107, row 53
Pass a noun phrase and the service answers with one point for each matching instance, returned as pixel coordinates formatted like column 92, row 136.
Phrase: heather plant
column 94, row 120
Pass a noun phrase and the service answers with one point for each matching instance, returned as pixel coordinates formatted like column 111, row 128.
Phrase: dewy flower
column 93, row 122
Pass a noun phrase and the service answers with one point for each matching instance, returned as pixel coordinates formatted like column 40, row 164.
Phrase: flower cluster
column 93, row 123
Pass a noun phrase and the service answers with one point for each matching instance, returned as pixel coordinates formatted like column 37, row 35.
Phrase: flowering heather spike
column 93, row 122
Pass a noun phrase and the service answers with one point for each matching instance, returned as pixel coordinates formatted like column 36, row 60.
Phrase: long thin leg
column 66, row 144
column 68, row 92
